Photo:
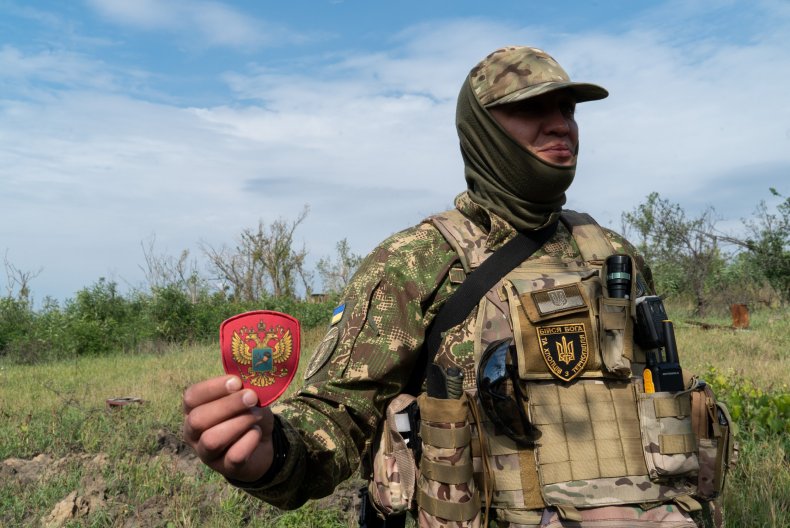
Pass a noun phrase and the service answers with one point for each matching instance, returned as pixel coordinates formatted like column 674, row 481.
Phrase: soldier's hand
column 229, row 433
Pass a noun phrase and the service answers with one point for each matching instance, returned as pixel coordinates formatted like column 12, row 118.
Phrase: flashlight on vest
column 618, row 276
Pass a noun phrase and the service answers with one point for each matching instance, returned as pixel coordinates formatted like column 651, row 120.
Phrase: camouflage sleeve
column 644, row 273
column 364, row 360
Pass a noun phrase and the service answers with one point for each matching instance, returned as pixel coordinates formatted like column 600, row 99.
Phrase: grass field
column 66, row 456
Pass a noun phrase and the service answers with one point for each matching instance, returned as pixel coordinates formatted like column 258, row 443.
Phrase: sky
column 186, row 122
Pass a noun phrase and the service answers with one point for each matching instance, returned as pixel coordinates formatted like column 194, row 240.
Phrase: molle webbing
column 447, row 438
column 672, row 407
column 446, row 490
column 590, row 430
column 458, row 474
column 677, row 444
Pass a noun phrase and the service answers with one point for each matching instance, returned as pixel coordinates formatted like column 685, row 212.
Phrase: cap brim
column 582, row 91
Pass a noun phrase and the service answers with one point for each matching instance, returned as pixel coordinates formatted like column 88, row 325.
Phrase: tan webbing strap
column 676, row 444
column 452, row 511
column 699, row 416
column 449, row 438
column 672, row 407
column 591, row 239
column 446, row 473
column 687, row 503
column 568, row 513
column 441, row 411
column 530, row 483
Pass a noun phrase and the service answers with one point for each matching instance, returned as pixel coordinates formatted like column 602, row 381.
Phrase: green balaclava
column 503, row 176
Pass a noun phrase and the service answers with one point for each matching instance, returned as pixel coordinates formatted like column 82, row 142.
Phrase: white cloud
column 88, row 169
column 20, row 71
column 201, row 23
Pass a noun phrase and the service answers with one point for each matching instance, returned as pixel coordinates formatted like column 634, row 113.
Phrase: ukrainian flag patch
column 337, row 314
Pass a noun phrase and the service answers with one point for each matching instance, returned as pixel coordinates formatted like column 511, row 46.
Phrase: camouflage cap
column 515, row 73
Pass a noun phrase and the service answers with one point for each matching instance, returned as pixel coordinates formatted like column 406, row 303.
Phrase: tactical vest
column 604, row 443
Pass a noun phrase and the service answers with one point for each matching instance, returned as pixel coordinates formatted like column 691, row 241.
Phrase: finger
column 216, row 440
column 208, row 415
column 209, row 390
column 249, row 458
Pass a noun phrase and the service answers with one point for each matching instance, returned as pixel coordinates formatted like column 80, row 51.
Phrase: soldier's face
column 544, row 125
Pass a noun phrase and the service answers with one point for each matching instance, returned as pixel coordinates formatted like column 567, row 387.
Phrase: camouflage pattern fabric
column 663, row 516
column 670, row 446
column 332, row 420
column 515, row 73
column 446, row 488
column 394, row 468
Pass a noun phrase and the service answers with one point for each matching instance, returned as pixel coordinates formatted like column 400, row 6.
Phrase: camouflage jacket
column 367, row 356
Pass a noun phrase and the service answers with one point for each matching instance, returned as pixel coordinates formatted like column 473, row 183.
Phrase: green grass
column 59, row 409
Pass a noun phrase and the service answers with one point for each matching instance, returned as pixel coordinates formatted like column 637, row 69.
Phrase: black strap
column 466, row 297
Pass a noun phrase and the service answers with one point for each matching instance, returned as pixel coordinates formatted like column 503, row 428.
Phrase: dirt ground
column 91, row 495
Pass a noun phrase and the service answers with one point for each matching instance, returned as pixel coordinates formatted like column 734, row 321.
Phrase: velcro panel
column 589, row 430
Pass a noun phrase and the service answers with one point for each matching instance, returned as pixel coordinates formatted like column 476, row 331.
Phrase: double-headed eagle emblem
column 261, row 352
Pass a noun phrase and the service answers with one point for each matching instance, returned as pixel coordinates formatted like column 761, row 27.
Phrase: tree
column 167, row 272
column 19, row 281
column 336, row 273
column 683, row 252
column 263, row 261
column 768, row 244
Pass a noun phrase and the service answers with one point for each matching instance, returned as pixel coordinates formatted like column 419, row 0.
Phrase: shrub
column 762, row 413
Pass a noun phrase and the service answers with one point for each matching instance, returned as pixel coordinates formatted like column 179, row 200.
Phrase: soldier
column 562, row 427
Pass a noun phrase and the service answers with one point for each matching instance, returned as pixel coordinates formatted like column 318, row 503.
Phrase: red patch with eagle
column 262, row 348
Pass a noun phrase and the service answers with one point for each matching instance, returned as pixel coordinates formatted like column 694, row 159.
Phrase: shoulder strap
column 469, row 293
column 589, row 236
column 465, row 237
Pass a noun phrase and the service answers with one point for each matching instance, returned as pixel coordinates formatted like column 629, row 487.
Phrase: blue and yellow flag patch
column 337, row 314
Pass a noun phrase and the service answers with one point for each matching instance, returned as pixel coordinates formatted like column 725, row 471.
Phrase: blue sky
column 189, row 121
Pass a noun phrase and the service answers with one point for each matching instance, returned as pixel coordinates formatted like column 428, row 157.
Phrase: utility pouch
column 616, row 331
column 394, row 469
column 554, row 328
column 715, row 433
column 669, row 443
column 446, row 491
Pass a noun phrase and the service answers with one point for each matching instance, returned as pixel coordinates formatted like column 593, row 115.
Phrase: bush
column 99, row 320
column 16, row 321
column 758, row 412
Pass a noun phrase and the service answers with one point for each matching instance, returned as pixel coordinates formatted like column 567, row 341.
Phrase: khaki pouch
column 554, row 330
column 446, row 492
column 669, row 443
column 616, row 335
column 394, row 470
column 715, row 433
